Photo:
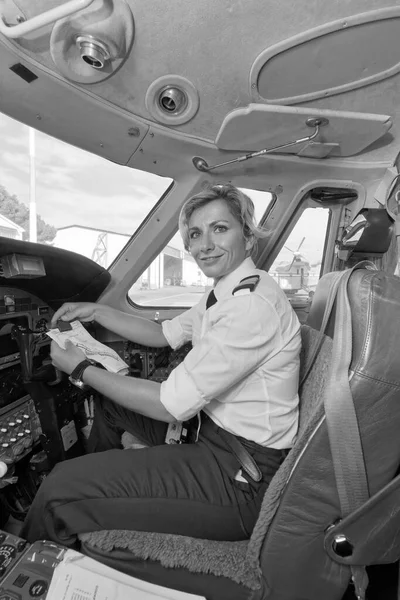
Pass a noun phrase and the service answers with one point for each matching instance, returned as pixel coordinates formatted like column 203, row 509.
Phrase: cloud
column 74, row 187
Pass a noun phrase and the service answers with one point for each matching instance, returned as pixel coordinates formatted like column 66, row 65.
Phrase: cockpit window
column 83, row 203
column 173, row 278
column 297, row 268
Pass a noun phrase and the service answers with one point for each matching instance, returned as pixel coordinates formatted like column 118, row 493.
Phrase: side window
column 173, row 278
column 298, row 265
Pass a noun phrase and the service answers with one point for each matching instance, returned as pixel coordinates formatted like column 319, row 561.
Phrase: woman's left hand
column 66, row 360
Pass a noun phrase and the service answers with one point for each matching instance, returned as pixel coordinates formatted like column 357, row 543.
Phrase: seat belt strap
column 341, row 417
column 344, row 434
column 336, row 278
column 320, row 336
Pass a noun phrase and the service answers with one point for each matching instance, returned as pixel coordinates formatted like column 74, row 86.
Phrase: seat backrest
column 302, row 501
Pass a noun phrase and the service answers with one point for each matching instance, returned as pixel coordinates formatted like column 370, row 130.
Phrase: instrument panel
column 18, row 302
column 26, row 570
column 20, row 428
column 151, row 363
column 42, row 415
column 39, row 422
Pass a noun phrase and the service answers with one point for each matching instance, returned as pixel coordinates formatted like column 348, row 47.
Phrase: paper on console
column 79, row 577
column 92, row 348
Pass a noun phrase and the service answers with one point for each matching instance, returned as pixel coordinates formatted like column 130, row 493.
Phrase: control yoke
column 25, row 338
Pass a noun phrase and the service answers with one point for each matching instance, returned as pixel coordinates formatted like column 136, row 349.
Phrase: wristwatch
column 77, row 373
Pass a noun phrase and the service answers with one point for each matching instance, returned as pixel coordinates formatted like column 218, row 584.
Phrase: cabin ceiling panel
column 337, row 57
column 214, row 44
column 94, row 125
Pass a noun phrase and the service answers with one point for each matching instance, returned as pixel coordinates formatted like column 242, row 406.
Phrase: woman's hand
column 66, row 360
column 83, row 311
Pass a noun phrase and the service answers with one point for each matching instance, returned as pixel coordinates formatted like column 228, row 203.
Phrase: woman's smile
column 209, row 259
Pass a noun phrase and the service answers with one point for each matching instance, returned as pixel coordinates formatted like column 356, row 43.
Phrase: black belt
column 242, row 455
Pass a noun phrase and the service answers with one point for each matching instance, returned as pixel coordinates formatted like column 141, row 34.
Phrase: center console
column 26, row 569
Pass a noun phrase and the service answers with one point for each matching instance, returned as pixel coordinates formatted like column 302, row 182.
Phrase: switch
column 3, row 469
column 136, row 364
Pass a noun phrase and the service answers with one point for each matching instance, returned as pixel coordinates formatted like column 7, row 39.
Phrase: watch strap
column 77, row 373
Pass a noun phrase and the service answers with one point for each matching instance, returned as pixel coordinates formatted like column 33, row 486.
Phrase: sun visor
column 261, row 126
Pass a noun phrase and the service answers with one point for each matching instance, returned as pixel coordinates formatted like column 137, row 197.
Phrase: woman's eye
column 221, row 228
column 193, row 235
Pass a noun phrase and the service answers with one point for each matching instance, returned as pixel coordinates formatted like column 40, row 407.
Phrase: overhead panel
column 35, row 98
column 330, row 59
column 267, row 126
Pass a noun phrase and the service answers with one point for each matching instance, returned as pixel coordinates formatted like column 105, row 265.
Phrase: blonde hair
column 240, row 205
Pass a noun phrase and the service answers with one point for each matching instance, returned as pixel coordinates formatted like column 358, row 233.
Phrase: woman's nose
column 207, row 242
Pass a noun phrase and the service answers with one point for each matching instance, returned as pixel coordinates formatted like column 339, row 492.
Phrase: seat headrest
column 370, row 233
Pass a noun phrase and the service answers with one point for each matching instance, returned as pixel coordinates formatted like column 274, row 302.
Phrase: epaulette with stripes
column 246, row 285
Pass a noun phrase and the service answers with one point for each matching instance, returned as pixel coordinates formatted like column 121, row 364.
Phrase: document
column 79, row 577
column 93, row 349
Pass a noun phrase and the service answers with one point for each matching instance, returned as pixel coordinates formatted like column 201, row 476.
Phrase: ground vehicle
column 179, row 105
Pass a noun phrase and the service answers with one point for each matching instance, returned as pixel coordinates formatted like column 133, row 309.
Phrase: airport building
column 172, row 267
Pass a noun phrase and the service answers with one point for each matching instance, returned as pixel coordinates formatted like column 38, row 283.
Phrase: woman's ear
column 250, row 241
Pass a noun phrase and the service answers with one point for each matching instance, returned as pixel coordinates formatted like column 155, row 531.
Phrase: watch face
column 78, row 382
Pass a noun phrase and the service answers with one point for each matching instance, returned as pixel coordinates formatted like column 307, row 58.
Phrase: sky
column 74, row 186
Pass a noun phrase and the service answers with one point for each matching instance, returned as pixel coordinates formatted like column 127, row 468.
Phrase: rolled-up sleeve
column 178, row 331
column 243, row 333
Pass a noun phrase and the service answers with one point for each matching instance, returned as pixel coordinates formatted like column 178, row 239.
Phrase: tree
column 18, row 212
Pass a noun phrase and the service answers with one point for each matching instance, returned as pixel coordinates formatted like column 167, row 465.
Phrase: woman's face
column 216, row 240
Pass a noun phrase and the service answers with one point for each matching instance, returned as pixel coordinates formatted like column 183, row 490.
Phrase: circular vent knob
column 93, row 52
column 172, row 100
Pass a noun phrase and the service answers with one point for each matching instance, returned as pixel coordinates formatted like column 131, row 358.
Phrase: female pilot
column 238, row 384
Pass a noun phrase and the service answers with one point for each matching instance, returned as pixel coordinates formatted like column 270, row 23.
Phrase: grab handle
column 68, row 8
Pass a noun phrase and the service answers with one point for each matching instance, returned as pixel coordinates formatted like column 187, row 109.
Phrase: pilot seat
column 331, row 508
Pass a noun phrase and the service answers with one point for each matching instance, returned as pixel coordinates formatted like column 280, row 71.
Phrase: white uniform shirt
column 243, row 368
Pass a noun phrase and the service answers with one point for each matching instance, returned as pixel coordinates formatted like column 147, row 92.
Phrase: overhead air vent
column 172, row 100
column 92, row 45
column 93, row 52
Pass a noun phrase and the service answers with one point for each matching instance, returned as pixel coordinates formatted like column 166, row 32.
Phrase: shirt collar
column 226, row 284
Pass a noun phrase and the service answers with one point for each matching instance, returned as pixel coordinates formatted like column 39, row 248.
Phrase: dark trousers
column 187, row 489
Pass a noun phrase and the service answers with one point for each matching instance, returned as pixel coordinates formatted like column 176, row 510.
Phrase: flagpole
column 32, row 188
